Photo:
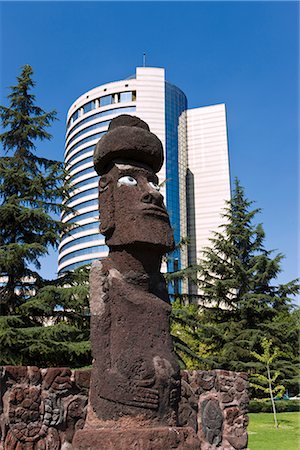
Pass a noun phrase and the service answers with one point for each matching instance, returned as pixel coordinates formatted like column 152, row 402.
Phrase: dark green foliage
column 52, row 328
column 237, row 271
column 31, row 188
column 240, row 302
column 263, row 405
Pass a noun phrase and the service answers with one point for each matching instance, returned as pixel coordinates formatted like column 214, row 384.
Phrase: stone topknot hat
column 128, row 138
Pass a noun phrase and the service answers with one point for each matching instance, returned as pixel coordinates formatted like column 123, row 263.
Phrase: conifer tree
column 240, row 300
column 58, row 334
column 31, row 188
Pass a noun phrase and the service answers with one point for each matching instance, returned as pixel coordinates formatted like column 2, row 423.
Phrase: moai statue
column 135, row 381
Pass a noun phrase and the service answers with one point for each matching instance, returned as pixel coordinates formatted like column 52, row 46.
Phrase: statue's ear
column 106, row 206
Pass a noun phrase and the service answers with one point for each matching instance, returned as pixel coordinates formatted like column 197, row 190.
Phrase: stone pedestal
column 160, row 438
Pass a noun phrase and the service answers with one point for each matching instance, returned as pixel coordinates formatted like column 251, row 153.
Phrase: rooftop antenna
column 144, row 59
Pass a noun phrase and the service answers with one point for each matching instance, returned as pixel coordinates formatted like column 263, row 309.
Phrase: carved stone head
column 131, row 207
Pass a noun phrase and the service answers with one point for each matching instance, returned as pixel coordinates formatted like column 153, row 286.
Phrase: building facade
column 195, row 174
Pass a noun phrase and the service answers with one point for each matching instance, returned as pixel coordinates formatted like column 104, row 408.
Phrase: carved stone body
column 135, row 381
column 136, row 372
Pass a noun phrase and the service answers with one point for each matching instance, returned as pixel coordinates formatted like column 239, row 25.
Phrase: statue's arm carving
column 140, row 393
column 114, row 385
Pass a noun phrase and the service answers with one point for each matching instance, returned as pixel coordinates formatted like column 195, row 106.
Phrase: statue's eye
column 154, row 185
column 127, row 181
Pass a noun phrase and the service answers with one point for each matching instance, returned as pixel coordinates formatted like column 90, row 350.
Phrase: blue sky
column 244, row 54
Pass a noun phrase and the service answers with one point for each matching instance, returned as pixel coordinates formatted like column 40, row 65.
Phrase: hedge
column 259, row 405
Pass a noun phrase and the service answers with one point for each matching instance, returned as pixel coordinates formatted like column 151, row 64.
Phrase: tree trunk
column 271, row 395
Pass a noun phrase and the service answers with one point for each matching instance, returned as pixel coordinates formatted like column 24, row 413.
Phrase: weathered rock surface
column 135, row 380
column 42, row 408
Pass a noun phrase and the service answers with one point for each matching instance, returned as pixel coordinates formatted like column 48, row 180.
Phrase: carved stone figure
column 135, row 381
column 212, row 420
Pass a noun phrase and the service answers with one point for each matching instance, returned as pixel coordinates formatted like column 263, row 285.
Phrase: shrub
column 262, row 405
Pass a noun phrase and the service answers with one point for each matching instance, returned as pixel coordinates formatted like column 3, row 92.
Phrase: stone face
column 132, row 211
column 212, row 420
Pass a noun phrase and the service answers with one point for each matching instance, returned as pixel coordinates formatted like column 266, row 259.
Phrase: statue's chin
column 160, row 246
column 155, row 231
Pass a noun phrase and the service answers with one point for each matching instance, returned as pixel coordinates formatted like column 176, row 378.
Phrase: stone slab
column 158, row 438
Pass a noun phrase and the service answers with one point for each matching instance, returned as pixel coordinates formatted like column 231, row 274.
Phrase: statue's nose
column 153, row 197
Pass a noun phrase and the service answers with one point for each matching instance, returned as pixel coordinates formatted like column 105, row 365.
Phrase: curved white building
column 195, row 169
column 146, row 95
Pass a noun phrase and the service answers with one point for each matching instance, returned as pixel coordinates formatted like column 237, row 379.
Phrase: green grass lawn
column 264, row 436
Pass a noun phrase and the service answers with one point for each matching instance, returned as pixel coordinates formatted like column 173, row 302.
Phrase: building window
column 81, row 173
column 83, row 141
column 78, row 264
column 93, row 202
column 80, row 229
column 92, row 191
column 84, row 251
column 106, row 100
column 80, row 153
column 125, row 96
column 88, row 159
column 91, row 237
column 73, row 118
column 122, row 110
column 83, row 216
column 121, row 97
column 88, row 107
column 86, row 130
column 86, row 182
column 86, row 120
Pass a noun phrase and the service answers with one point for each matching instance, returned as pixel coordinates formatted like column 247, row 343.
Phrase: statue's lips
column 156, row 211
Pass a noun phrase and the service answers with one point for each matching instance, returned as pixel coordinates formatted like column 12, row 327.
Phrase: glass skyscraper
column 164, row 107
